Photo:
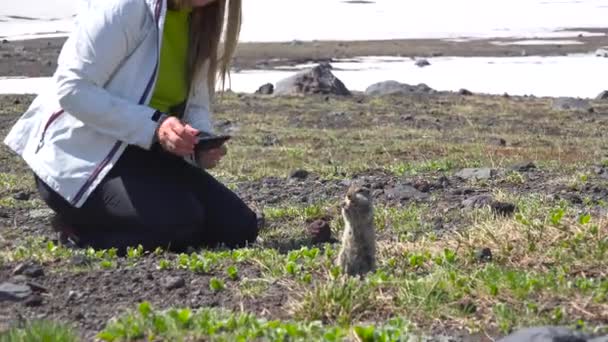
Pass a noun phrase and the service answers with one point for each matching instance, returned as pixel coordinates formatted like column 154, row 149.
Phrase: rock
column 422, row 63
column 319, row 231
column 29, row 269
column 22, row 196
column 405, row 192
column 568, row 103
column 524, row 167
column 33, row 301
column 465, row 92
column 318, row 80
column 270, row 140
column 4, row 41
column 80, row 260
column 172, row 283
column 484, row 254
column 4, row 213
column 602, row 52
column 602, row 96
column 479, row 173
column 498, row 142
column 396, row 88
column 545, row 334
column 266, row 89
column 41, row 213
column 299, row 174
column 14, row 292
column 477, row 202
column 503, row 208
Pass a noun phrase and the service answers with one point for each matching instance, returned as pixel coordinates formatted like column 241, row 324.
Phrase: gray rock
column 14, row 292
column 484, row 254
column 569, row 103
column 396, row 88
column 465, row 92
column 266, row 89
column 33, row 301
column 299, row 174
column 422, row 63
column 545, row 334
column 602, row 52
column 29, row 269
column 22, row 196
column 318, row 80
column 480, row 174
column 478, row 201
column 524, row 167
column 602, row 96
column 405, row 192
column 172, row 283
column 41, row 213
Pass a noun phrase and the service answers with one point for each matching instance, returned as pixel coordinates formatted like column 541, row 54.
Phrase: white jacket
column 74, row 132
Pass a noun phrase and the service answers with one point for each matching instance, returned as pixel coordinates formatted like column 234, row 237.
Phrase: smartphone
column 209, row 142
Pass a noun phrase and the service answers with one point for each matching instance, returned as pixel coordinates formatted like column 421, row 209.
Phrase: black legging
column 156, row 200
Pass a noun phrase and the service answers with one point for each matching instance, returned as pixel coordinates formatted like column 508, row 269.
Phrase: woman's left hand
column 209, row 159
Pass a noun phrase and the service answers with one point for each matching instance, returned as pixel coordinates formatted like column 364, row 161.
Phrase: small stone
column 266, row 89
column 80, row 260
column 479, row 174
column 14, row 292
column 498, row 142
column 465, row 92
column 269, row 140
column 4, row 41
column 405, row 192
column 17, row 102
column 299, row 174
column 4, row 213
column 33, row 301
column 484, row 254
column 422, row 63
column 319, row 231
column 41, row 213
column 37, row 287
column 524, row 167
column 478, row 201
column 172, row 283
column 503, row 208
column 31, row 270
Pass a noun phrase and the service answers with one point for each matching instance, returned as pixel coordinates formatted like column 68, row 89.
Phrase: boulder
column 396, row 88
column 602, row 52
column 603, row 95
column 317, row 80
column 266, row 89
column 465, row 92
column 422, row 63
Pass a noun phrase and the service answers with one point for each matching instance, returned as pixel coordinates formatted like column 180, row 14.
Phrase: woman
column 112, row 144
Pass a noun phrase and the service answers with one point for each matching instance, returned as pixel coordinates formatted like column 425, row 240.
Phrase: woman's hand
column 209, row 159
column 176, row 137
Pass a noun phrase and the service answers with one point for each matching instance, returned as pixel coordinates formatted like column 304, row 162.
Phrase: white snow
column 286, row 20
column 540, row 76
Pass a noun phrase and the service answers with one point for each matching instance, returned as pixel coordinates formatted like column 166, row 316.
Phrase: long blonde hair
column 209, row 26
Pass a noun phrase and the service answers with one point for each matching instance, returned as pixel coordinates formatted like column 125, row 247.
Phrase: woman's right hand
column 176, row 137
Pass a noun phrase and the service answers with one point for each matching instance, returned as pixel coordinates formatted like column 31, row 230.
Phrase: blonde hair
column 210, row 25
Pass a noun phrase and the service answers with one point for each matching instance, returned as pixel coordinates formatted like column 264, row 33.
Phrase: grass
column 547, row 262
column 42, row 331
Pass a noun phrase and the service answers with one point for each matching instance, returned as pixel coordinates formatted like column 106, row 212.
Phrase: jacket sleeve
column 198, row 113
column 103, row 39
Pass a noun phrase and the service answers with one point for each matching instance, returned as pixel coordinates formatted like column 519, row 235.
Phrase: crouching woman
column 111, row 143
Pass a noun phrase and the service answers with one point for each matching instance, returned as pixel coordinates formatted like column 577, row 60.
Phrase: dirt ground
column 529, row 148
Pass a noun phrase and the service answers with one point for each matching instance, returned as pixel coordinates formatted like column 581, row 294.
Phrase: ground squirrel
column 357, row 255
